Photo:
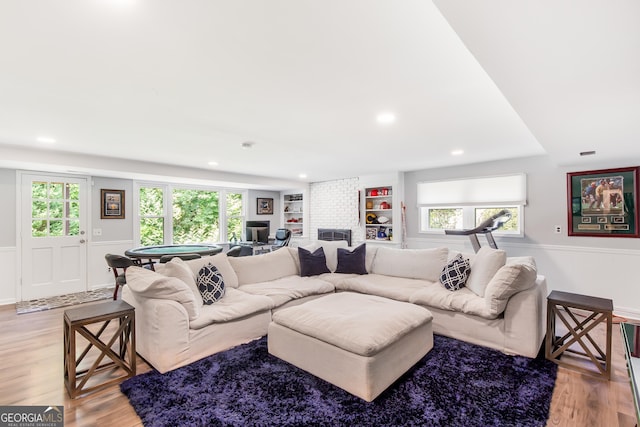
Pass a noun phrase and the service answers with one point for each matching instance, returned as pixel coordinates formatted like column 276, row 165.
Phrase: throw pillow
column 484, row 266
column 312, row 263
column 455, row 273
column 210, row 284
column 352, row 261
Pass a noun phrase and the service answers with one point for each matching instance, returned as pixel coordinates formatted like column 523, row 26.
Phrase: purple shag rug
column 455, row 384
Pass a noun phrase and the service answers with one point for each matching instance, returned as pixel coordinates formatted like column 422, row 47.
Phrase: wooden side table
column 599, row 310
column 124, row 339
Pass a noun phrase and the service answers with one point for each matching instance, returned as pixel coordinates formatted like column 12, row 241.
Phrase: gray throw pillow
column 312, row 263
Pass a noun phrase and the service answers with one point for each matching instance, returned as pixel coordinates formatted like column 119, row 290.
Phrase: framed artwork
column 265, row 206
column 603, row 203
column 112, row 204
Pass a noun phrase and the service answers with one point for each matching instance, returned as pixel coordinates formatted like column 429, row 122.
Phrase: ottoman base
column 362, row 376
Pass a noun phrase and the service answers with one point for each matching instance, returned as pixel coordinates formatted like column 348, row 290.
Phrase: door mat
column 42, row 304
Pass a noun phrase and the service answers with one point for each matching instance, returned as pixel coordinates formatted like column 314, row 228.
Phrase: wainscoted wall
column 9, row 268
column 98, row 272
column 601, row 272
column 334, row 204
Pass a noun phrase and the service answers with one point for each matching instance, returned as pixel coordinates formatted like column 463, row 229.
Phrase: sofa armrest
column 525, row 320
column 162, row 329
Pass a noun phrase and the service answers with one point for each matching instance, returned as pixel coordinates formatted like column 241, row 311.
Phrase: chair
column 118, row 262
column 283, row 236
column 240, row 250
column 166, row 258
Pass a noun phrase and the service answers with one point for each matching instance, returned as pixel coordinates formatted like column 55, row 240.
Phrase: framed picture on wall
column 265, row 206
column 603, row 203
column 112, row 204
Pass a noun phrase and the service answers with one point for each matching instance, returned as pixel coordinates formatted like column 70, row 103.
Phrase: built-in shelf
column 378, row 203
column 293, row 212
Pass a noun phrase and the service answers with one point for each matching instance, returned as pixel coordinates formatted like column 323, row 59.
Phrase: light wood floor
column 31, row 373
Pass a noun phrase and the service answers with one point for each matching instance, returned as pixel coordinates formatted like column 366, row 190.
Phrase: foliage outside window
column 185, row 216
column 55, row 209
column 235, row 218
column 151, row 205
column 195, row 216
column 434, row 219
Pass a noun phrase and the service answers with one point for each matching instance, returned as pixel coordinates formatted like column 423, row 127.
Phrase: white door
column 53, row 239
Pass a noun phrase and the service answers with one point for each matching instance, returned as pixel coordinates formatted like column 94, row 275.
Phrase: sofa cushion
column 210, row 284
column 370, row 255
column 264, row 267
column 330, row 250
column 435, row 295
column 352, row 261
column 235, row 305
column 149, row 284
column 312, row 263
column 397, row 288
column 289, row 288
column 484, row 266
column 221, row 261
column 424, row 264
column 455, row 273
column 179, row 269
column 509, row 280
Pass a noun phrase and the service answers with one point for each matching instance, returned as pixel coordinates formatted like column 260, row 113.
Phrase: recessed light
column 46, row 140
column 247, row 145
column 302, row 176
column 386, row 118
column 213, row 163
column 457, row 152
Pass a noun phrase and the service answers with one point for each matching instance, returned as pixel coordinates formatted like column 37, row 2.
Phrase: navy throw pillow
column 210, row 284
column 352, row 261
column 312, row 263
column 454, row 275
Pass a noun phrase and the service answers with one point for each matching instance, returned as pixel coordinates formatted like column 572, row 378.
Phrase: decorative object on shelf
column 372, row 218
column 374, row 192
column 382, row 234
column 112, row 204
column 371, row 233
column 603, row 203
column 369, row 204
column 264, row 206
column 385, row 205
column 383, row 220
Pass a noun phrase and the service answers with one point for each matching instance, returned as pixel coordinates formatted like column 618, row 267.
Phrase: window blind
column 499, row 190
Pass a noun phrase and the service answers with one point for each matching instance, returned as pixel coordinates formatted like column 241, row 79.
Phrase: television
column 257, row 231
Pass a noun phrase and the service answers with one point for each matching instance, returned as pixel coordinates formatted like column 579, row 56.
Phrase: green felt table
column 155, row 252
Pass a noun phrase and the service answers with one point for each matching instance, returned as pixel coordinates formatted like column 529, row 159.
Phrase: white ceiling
column 185, row 83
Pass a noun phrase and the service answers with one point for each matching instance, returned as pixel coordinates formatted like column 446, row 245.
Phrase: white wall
column 605, row 267
column 334, row 204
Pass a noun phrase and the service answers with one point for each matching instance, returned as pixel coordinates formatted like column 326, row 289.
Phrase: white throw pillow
column 424, row 264
column 149, row 284
column 484, row 266
column 179, row 269
column 221, row 262
column 509, row 280
column 330, row 249
column 263, row 268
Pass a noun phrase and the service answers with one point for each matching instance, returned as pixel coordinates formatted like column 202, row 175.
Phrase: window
column 466, row 203
column 235, row 217
column 55, row 209
column 152, row 214
column 168, row 215
column 195, row 216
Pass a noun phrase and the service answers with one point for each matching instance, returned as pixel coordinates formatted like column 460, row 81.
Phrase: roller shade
column 499, row 190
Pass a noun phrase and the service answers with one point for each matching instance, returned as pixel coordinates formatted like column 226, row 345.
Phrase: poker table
column 157, row 252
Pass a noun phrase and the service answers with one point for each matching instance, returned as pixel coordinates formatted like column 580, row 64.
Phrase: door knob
column 82, row 240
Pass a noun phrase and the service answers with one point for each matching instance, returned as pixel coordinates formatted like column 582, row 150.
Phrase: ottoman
column 360, row 343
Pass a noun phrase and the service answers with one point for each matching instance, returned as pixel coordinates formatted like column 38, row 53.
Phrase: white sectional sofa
column 502, row 307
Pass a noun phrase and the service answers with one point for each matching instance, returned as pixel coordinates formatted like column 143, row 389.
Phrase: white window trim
column 167, row 189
